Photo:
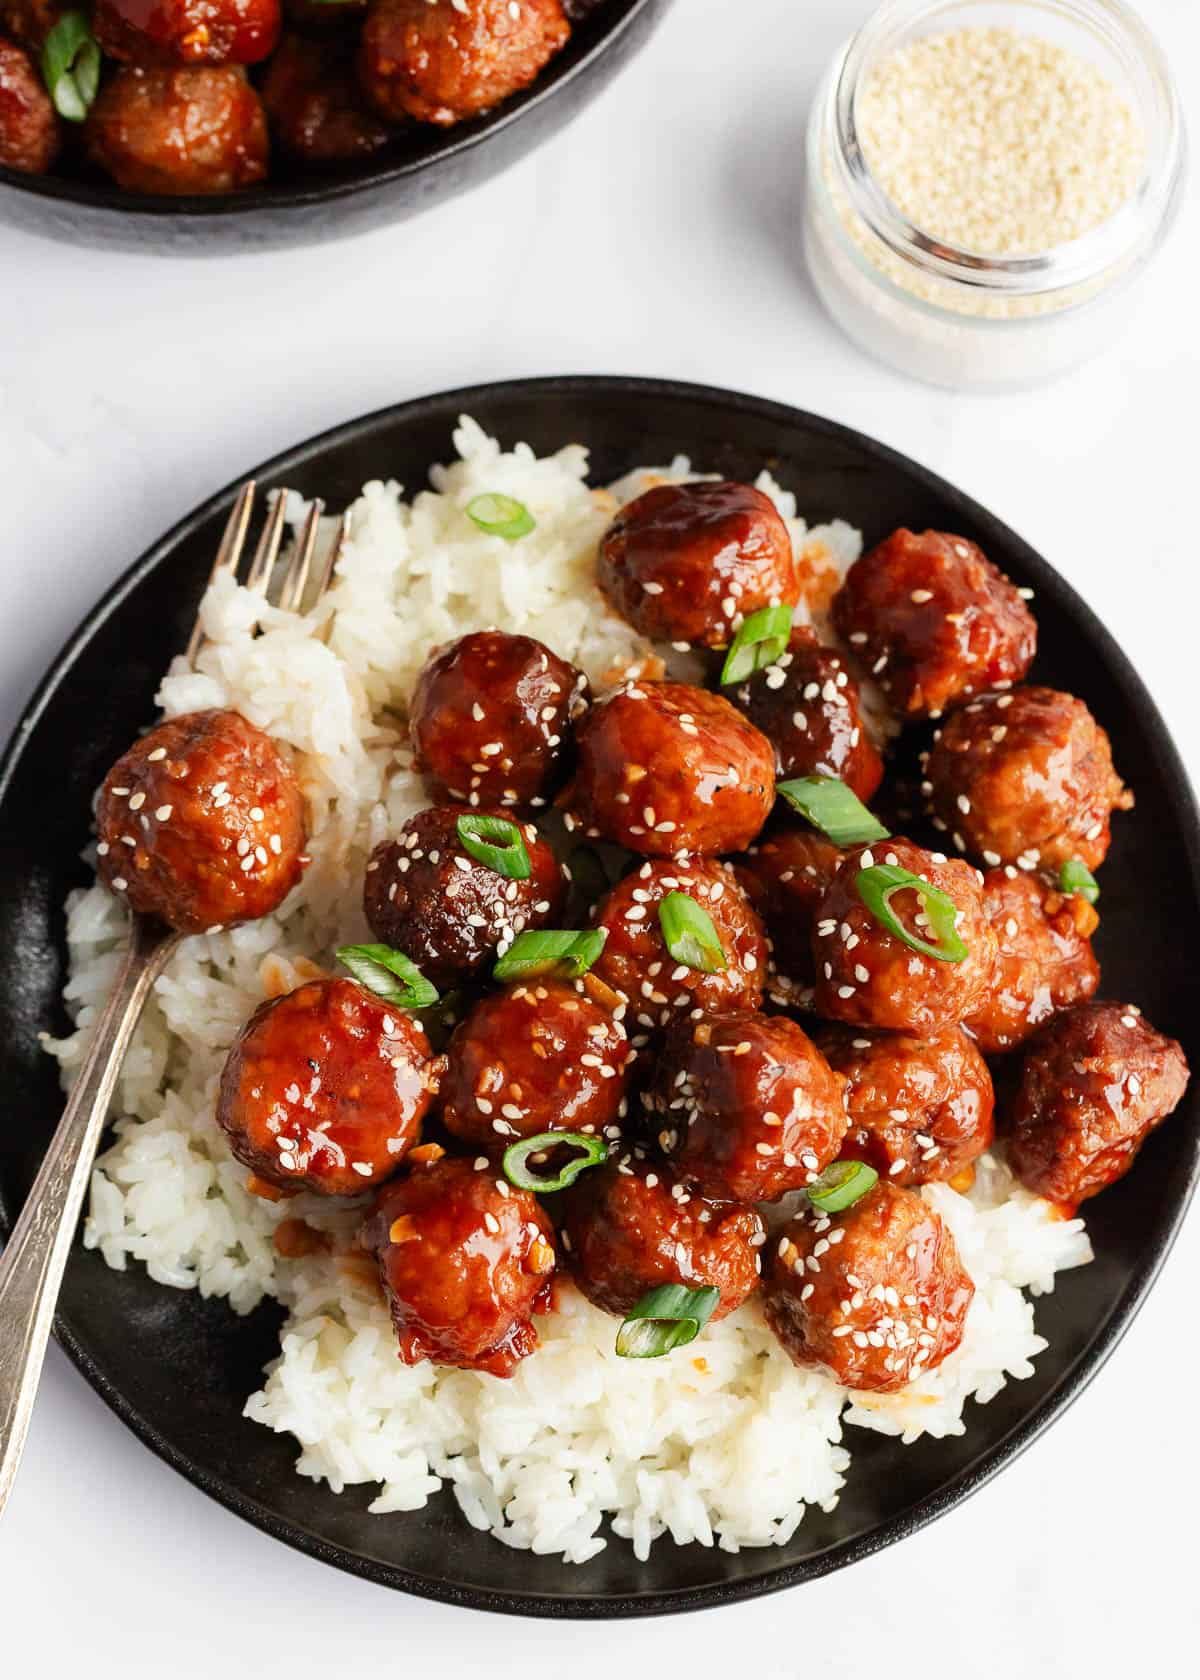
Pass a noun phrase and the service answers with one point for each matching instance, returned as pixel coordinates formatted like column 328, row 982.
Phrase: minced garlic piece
column 998, row 142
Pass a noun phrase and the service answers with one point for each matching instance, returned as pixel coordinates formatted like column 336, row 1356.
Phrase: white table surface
column 657, row 236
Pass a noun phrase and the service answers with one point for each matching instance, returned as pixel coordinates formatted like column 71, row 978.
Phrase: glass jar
column 953, row 316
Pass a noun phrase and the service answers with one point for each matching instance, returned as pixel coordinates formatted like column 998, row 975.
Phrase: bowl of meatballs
column 743, row 993
column 227, row 123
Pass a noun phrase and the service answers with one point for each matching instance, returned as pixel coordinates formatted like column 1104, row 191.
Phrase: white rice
column 725, row 1442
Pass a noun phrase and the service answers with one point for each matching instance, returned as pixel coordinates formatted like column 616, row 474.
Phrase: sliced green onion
column 71, row 66
column 390, row 974
column 501, row 516
column 550, row 951
column 841, row 1185
column 876, row 886
column 593, row 1151
column 690, row 935
column 761, row 638
column 497, row 842
column 833, row 808
column 1076, row 877
column 668, row 1317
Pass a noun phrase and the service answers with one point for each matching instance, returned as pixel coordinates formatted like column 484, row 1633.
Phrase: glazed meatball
column 871, row 977
column 1096, row 1081
column 187, row 31
column 539, row 1056
column 875, row 1296
column 666, row 768
column 198, row 130
column 201, row 823
column 427, row 896
column 747, row 1105
column 325, row 1088
column 935, row 621
column 631, row 1226
column 466, row 1260
column 636, row 963
column 806, row 704
column 492, row 719
column 30, row 129
column 314, row 104
column 1026, row 778
column 439, row 64
column 785, row 877
column 920, row 1108
column 688, row 562
column 1044, row 958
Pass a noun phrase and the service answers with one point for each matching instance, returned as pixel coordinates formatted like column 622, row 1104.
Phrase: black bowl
column 424, row 166
column 177, row 1369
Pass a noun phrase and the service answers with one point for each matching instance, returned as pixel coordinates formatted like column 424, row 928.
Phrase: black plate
column 424, row 166
column 177, row 1369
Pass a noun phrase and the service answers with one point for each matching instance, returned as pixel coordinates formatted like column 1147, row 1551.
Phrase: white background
column 659, row 235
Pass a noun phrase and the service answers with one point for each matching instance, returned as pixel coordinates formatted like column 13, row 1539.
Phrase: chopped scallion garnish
column 389, row 974
column 665, row 1318
column 1076, row 877
column 549, row 951
column 690, row 935
column 877, row 886
column 501, row 516
column 841, row 1185
column 833, row 808
column 498, row 843
column 593, row 1150
column 71, row 66
column 761, row 638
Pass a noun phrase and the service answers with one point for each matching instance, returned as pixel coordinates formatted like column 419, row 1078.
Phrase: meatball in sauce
column 194, row 130
column 637, row 964
column 1095, row 1082
column 315, row 106
column 686, row 563
column 1044, row 959
column 785, row 876
column 466, row 1260
column 934, row 621
column 442, row 64
column 920, row 1109
column 875, row 1296
column 539, row 1056
column 187, row 31
column 632, row 1226
column 868, row 976
column 492, row 719
column 806, row 704
column 325, row 1088
column 748, row 1107
column 1026, row 778
column 30, row 128
column 427, row 896
column 666, row 768
column 201, row 823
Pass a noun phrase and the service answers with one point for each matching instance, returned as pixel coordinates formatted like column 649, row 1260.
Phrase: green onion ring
column 389, row 974
column 841, row 1185
column 833, row 808
column 668, row 1317
column 875, row 886
column 509, row 857
column 690, row 935
column 1076, row 877
column 551, row 951
column 71, row 66
column 760, row 639
column 594, row 1151
column 501, row 516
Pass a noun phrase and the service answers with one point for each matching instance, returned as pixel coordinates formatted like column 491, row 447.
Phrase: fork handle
column 33, row 1262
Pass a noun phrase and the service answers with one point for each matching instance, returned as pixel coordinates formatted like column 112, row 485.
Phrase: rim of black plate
column 450, row 145
column 1074, row 1379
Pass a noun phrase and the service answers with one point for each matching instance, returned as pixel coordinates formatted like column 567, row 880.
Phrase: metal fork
column 32, row 1264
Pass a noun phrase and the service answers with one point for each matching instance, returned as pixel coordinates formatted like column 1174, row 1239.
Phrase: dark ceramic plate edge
column 1073, row 1380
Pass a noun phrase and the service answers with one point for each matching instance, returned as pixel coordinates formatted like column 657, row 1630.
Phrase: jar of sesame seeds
column 986, row 184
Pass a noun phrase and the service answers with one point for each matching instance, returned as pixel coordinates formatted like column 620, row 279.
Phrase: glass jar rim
column 1111, row 246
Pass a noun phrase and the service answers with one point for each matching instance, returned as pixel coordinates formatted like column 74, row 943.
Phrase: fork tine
column 335, row 554
column 291, row 596
column 267, row 552
column 229, row 553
